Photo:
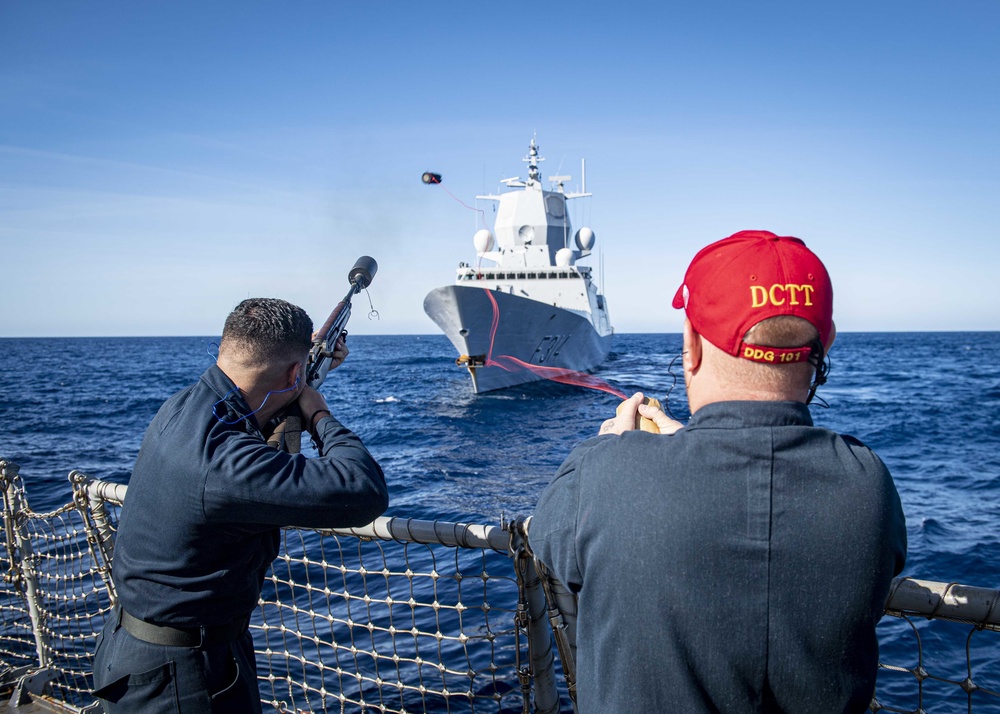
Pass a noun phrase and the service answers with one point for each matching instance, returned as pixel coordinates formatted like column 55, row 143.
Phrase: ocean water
column 928, row 403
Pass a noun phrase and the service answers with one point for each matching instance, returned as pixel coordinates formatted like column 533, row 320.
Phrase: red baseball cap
column 736, row 282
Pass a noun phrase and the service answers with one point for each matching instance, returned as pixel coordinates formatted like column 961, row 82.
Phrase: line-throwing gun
column 288, row 434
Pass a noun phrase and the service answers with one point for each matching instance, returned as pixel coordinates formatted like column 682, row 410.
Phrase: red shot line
column 555, row 374
column 481, row 212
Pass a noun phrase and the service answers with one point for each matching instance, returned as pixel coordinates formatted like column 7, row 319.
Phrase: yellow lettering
column 779, row 294
column 758, row 354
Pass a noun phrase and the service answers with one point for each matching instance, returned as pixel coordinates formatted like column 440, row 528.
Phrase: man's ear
column 692, row 347
column 294, row 375
column 831, row 339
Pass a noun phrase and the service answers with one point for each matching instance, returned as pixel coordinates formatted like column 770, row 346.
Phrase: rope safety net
column 356, row 622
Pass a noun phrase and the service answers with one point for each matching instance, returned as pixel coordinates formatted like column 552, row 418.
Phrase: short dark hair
column 782, row 331
column 269, row 328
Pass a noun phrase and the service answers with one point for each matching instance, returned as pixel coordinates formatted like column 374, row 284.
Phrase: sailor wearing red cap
column 738, row 563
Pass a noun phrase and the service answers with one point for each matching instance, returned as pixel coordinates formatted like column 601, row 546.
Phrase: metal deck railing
column 399, row 616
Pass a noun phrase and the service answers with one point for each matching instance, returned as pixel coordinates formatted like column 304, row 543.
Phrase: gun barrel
column 360, row 276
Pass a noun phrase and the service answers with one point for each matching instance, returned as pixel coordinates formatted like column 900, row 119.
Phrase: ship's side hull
column 544, row 336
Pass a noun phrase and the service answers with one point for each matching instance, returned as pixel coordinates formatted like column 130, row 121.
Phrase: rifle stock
column 287, row 435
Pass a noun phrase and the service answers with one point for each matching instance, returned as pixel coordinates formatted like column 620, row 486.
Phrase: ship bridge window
column 520, row 276
column 543, row 276
column 563, row 275
column 555, row 205
column 532, row 276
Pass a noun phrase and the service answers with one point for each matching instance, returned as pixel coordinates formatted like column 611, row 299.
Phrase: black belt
column 204, row 636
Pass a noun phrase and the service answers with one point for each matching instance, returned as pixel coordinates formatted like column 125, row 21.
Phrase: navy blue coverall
column 199, row 529
column 739, row 565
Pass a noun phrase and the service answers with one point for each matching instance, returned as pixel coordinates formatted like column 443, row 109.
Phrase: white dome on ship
column 585, row 239
column 483, row 240
column 564, row 257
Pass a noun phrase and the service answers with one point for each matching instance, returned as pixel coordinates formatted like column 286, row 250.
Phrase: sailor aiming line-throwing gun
column 287, row 434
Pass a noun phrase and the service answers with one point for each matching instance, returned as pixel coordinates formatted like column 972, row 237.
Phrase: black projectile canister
column 429, row 177
column 363, row 272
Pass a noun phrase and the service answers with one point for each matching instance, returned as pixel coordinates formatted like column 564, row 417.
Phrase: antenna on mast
column 532, row 160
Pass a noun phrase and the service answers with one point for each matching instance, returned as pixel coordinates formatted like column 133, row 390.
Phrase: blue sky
column 160, row 162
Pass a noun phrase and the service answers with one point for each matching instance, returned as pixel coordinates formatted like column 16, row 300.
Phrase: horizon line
column 443, row 336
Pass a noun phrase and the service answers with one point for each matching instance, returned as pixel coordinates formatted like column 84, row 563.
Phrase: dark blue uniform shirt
column 739, row 565
column 200, row 524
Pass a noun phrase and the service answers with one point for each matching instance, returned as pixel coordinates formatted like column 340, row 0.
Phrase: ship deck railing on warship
column 468, row 273
column 398, row 616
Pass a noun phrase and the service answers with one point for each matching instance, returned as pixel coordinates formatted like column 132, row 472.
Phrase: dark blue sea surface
column 928, row 403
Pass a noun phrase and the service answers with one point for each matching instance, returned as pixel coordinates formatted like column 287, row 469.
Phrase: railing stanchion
column 23, row 557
